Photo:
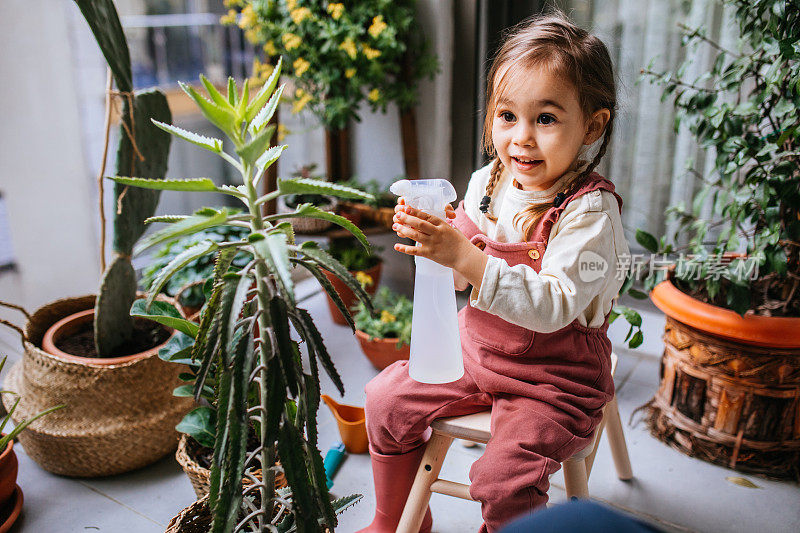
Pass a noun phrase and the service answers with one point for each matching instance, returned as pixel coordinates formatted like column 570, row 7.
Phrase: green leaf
column 255, row 148
column 283, row 350
column 269, row 157
column 232, row 92
column 312, row 186
column 222, row 118
column 188, row 226
column 636, row 340
column 214, row 94
column 183, row 391
column 275, row 253
column 264, row 93
column 195, row 184
column 199, row 423
column 178, row 349
column 242, row 105
column 647, row 240
column 180, row 261
column 11, row 435
column 312, row 211
column 329, row 289
column 311, row 250
column 264, row 116
column 239, row 297
column 164, row 313
column 314, row 339
column 210, row 144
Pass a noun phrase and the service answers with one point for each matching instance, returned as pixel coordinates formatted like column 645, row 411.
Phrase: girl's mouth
column 523, row 163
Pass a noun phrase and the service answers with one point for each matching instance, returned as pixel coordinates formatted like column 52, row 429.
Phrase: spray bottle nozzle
column 428, row 195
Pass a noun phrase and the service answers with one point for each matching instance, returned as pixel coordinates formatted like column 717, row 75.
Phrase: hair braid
column 494, row 179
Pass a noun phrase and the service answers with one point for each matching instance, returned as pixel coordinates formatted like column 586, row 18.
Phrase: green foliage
column 342, row 54
column 746, row 111
column 393, row 320
column 382, row 196
column 22, row 424
column 352, row 256
column 243, row 363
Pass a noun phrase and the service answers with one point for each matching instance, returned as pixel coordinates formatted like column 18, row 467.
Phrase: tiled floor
column 671, row 490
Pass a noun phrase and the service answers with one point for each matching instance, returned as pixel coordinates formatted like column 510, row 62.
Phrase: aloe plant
column 146, row 157
column 243, row 336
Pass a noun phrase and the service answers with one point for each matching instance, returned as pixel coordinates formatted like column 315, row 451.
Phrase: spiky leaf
column 312, row 211
column 178, row 262
column 209, row 143
column 187, row 226
column 312, row 186
column 194, row 184
column 264, row 93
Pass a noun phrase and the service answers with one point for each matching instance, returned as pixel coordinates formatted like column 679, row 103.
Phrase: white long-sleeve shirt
column 588, row 233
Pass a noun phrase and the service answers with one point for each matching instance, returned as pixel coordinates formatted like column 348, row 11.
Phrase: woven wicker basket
column 309, row 225
column 117, row 418
column 729, row 403
column 381, row 216
column 199, row 476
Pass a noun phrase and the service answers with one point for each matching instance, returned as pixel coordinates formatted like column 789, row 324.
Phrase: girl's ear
column 596, row 125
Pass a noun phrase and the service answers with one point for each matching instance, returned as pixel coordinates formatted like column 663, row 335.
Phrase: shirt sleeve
column 578, row 263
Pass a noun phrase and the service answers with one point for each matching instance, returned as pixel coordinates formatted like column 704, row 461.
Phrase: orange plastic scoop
column 352, row 425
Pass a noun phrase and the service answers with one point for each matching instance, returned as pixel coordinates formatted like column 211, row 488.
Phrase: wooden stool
column 475, row 427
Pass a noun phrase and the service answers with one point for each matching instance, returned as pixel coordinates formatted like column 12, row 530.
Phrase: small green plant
column 393, row 319
column 5, row 438
column 243, row 341
column 354, row 257
column 382, row 197
column 342, row 54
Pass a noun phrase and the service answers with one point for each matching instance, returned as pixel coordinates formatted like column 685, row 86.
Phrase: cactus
column 113, row 325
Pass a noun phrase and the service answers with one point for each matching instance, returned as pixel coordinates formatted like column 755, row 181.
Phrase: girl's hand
column 436, row 239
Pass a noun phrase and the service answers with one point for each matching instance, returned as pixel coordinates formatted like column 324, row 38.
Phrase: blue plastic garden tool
column 333, row 458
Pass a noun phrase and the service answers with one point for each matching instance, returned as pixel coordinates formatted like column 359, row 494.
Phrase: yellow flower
column 387, row 317
column 229, row 19
column 377, row 27
column 300, row 65
column 291, row 4
column 374, row 95
column 371, row 53
column 290, row 40
column 283, row 131
column 261, row 71
column 300, row 14
column 364, row 279
column 349, row 46
column 251, row 36
column 349, row 73
column 232, row 3
column 269, row 48
column 248, row 18
column 336, row 10
column 301, row 99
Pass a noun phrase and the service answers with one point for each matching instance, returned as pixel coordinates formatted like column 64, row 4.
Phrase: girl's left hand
column 436, row 239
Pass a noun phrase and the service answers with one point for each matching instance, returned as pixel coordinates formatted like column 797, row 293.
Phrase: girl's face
column 538, row 126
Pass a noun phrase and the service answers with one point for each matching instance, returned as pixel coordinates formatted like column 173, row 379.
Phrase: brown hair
column 555, row 42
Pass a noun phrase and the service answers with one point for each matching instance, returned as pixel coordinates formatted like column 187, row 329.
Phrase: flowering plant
column 394, row 320
column 341, row 56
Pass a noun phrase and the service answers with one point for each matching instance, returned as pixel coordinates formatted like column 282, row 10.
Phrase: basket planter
column 199, row 475
column 730, row 386
column 309, row 225
column 382, row 352
column 379, row 216
column 346, row 294
column 120, row 413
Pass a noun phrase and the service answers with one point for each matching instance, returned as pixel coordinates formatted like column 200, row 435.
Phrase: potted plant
column 73, row 341
column 10, row 493
column 364, row 265
column 385, row 337
column 290, row 202
column 243, row 338
column 379, row 210
column 731, row 365
column 342, row 56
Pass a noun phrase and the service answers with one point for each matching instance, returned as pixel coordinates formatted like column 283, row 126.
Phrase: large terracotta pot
column 347, row 295
column 730, row 385
column 382, row 352
column 120, row 413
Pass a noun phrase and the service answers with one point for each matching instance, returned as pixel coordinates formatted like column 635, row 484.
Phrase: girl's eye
column 508, row 116
column 546, row 119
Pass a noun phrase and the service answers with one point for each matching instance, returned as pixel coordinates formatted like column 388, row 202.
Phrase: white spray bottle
column 435, row 342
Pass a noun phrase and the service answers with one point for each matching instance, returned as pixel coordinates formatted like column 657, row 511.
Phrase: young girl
column 538, row 237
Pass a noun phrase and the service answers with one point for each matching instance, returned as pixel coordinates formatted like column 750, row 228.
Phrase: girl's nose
column 524, row 134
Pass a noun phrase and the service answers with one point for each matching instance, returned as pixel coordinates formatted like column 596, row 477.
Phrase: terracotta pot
column 120, row 413
column 347, row 295
column 8, row 473
column 382, row 352
column 777, row 332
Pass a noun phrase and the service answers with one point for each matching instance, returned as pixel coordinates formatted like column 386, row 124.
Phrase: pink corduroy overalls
column 546, row 390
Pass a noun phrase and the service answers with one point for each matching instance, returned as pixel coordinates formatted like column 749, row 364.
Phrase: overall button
column 534, row 254
column 481, row 245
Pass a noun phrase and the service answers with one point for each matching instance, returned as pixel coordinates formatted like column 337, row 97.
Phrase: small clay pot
column 382, row 352
column 8, row 473
column 347, row 295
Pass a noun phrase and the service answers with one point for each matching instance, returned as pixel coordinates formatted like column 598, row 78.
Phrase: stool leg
column 616, row 440
column 420, row 495
column 575, row 480
column 589, row 461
